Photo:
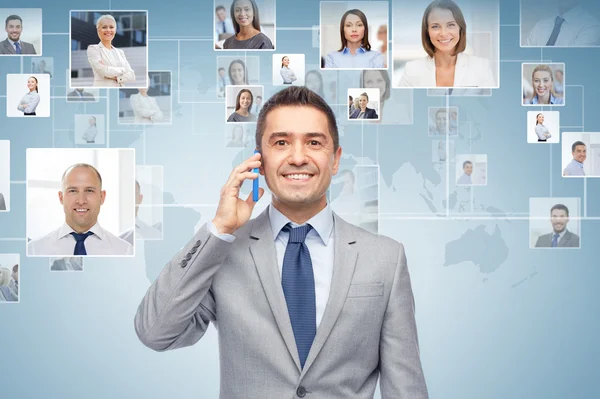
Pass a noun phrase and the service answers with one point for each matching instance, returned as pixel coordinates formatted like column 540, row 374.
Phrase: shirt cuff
column 215, row 232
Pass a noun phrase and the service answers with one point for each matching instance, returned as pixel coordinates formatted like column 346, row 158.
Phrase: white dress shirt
column 320, row 242
column 60, row 242
column 579, row 28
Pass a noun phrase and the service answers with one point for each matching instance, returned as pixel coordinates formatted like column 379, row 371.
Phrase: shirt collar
column 560, row 235
column 346, row 50
column 535, row 99
column 322, row 222
column 65, row 230
column 13, row 43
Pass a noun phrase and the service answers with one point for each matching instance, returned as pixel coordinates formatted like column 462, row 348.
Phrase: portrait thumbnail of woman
column 355, row 50
column 243, row 105
column 542, row 131
column 362, row 111
column 30, row 101
column 542, row 80
column 287, row 74
column 444, row 39
column 246, row 22
column 110, row 66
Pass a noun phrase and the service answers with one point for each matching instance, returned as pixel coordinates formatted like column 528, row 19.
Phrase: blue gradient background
column 496, row 319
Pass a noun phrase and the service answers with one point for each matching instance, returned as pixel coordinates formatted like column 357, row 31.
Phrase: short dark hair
column 220, row 7
column 467, row 163
column 220, row 69
column 11, row 18
column 350, row 98
column 296, row 96
column 460, row 20
column 560, row 207
column 575, row 144
column 15, row 268
column 363, row 18
column 237, row 100
column 255, row 19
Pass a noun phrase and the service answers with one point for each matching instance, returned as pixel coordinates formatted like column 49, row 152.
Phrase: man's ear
column 336, row 160
column 60, row 197
column 102, row 196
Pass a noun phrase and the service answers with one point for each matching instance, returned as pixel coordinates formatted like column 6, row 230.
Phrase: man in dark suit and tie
column 307, row 304
column 560, row 236
column 13, row 44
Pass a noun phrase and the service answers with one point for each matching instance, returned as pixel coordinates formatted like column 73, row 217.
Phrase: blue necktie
column 555, row 240
column 223, row 25
column 79, row 246
column 18, row 47
column 554, row 35
column 298, row 284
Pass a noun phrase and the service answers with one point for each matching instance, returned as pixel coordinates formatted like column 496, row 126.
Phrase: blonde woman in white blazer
column 444, row 38
column 109, row 63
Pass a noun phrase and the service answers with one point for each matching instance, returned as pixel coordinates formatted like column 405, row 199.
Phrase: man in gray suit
column 2, row 203
column 80, row 95
column 560, row 237
column 13, row 44
column 288, row 329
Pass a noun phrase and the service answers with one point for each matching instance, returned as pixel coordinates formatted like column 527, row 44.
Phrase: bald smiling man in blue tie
column 306, row 304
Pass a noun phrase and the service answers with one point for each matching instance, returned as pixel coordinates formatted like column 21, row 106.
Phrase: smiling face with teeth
column 299, row 159
column 243, row 13
column 443, row 28
column 444, row 31
column 81, row 197
column 106, row 30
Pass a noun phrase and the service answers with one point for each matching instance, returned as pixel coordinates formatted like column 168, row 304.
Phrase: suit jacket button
column 184, row 263
column 301, row 391
column 193, row 250
column 188, row 256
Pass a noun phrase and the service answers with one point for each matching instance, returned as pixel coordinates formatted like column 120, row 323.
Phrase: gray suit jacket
column 570, row 240
column 85, row 96
column 368, row 327
column 2, row 203
column 6, row 47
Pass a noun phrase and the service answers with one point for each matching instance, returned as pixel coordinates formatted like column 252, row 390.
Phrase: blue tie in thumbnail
column 555, row 240
column 298, row 284
column 79, row 246
column 18, row 47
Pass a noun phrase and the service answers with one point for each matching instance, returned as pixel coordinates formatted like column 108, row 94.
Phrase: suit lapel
column 9, row 47
column 460, row 70
column 565, row 239
column 344, row 262
column 264, row 254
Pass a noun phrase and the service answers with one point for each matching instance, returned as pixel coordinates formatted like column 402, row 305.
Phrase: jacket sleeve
column 94, row 54
column 400, row 365
column 128, row 74
column 179, row 305
column 32, row 105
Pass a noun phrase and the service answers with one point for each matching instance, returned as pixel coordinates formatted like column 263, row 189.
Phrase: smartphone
column 255, row 182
